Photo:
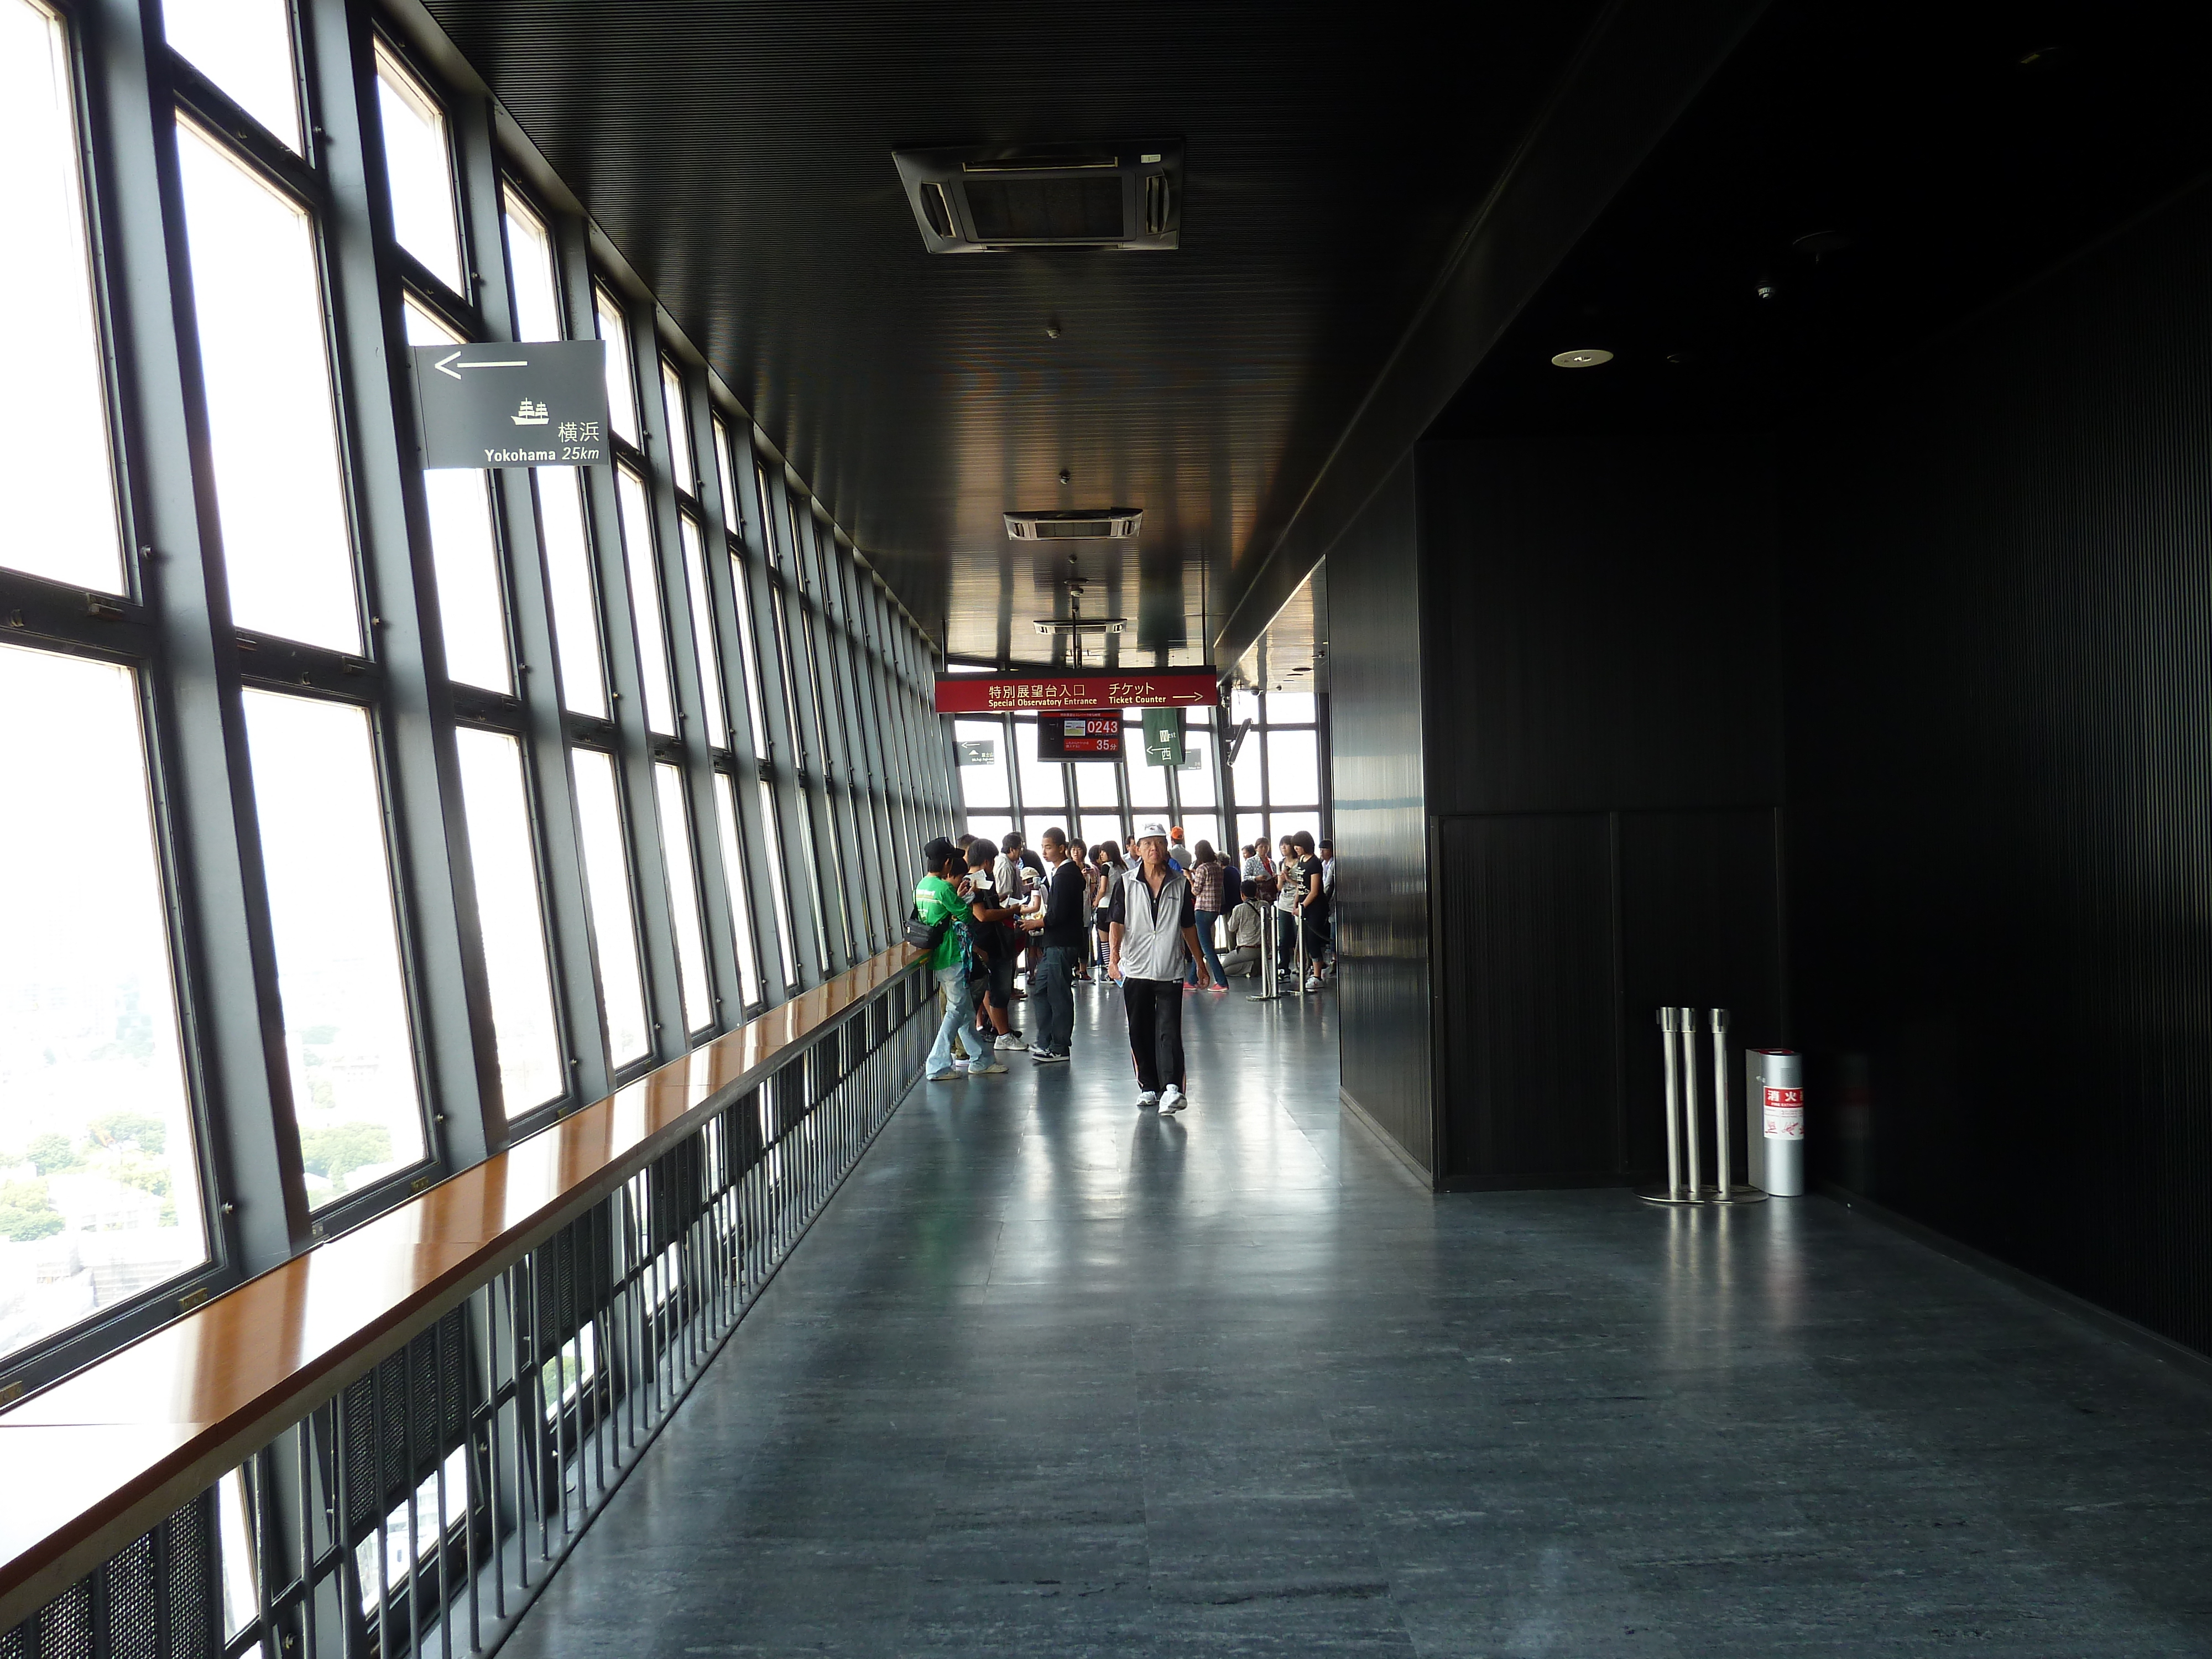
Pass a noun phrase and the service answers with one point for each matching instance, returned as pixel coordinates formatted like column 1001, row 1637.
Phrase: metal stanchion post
column 1723, row 1174
column 1267, row 991
column 1725, row 1191
column 1687, row 1025
column 1679, row 1050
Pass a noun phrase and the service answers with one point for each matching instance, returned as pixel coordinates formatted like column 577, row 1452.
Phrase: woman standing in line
column 1106, row 859
column 1207, row 887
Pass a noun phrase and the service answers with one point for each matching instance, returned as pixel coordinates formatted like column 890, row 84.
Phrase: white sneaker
column 949, row 1074
column 1313, row 984
column 1172, row 1100
column 1147, row 1101
column 995, row 1065
column 1014, row 1040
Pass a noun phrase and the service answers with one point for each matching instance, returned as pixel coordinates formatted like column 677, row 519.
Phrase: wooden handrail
column 101, row 1456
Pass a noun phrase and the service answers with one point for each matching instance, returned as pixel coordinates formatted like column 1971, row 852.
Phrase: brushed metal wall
column 1999, row 595
column 1375, row 728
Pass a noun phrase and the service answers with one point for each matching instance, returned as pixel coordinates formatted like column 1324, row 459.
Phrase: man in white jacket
column 1152, row 938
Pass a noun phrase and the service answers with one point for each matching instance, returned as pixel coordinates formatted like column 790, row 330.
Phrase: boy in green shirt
column 937, row 901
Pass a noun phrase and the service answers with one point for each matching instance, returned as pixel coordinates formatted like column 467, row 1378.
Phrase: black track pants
column 1155, row 1007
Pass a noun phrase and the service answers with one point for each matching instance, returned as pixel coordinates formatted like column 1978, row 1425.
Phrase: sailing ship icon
column 529, row 414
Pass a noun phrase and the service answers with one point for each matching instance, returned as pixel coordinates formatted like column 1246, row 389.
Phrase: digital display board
column 1090, row 735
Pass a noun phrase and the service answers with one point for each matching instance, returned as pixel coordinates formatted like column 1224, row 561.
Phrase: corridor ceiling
column 740, row 156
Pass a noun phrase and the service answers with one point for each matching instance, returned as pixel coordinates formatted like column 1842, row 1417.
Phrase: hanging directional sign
column 1163, row 737
column 540, row 405
column 1078, row 689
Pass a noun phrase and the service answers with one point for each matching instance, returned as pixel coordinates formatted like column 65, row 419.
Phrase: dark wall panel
column 1600, row 611
column 1381, row 825
column 2000, row 719
column 1605, row 762
column 1526, row 970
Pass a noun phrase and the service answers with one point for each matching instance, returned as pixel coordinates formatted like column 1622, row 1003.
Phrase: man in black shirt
column 1061, row 931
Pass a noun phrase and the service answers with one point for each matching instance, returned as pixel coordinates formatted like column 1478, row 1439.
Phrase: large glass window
column 614, row 927
column 702, row 634
column 645, row 599
column 493, row 790
column 244, row 47
column 99, row 1184
column 56, row 475
column 1294, row 769
column 729, row 828
column 264, row 365
column 419, row 164
column 983, row 751
column 622, row 388
column 464, row 553
column 680, row 465
column 1044, row 789
column 726, row 470
column 530, row 257
column 779, row 882
column 683, row 896
column 1245, row 775
column 354, row 1084
column 568, row 581
column 1194, row 781
column 1095, row 788
column 749, row 654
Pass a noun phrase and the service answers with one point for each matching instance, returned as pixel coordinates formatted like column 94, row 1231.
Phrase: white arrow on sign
column 440, row 365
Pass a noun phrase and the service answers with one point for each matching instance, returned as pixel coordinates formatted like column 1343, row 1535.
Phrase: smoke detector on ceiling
column 996, row 197
column 1095, row 524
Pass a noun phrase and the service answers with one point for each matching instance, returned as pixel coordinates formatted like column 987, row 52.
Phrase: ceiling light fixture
column 1581, row 358
column 1081, row 625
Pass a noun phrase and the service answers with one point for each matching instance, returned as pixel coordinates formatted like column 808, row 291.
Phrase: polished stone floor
column 1052, row 1377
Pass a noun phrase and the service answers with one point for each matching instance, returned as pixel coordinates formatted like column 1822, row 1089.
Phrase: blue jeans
column 1206, row 921
column 1056, row 1027
column 958, row 1012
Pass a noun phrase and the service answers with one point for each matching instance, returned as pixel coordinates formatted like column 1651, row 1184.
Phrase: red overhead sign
column 993, row 694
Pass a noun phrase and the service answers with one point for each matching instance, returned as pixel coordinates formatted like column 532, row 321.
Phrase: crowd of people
column 995, row 916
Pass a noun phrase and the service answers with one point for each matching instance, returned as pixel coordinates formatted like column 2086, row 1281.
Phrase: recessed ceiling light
column 1581, row 358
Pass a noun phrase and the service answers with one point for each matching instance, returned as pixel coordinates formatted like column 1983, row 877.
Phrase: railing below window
column 386, row 1445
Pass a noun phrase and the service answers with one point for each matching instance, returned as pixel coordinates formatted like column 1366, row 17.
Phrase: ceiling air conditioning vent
column 1113, row 522
column 995, row 198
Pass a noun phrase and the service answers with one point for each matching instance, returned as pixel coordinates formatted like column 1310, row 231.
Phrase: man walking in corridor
column 1152, row 938
column 1060, row 930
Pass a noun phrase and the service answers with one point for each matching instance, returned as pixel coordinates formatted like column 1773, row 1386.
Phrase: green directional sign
column 1163, row 737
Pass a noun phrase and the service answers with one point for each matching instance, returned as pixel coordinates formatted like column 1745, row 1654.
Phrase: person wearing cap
column 1178, row 853
column 1152, row 936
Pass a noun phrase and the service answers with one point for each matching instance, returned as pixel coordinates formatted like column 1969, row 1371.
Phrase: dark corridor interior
column 1835, row 651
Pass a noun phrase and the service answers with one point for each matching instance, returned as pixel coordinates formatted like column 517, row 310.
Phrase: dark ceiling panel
column 1883, row 171
column 740, row 156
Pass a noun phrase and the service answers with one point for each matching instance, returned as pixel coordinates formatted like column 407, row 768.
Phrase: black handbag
column 923, row 935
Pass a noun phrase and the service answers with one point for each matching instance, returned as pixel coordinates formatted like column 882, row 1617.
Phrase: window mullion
column 439, row 939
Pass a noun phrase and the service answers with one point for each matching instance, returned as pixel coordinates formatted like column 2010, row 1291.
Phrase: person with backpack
column 939, row 924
